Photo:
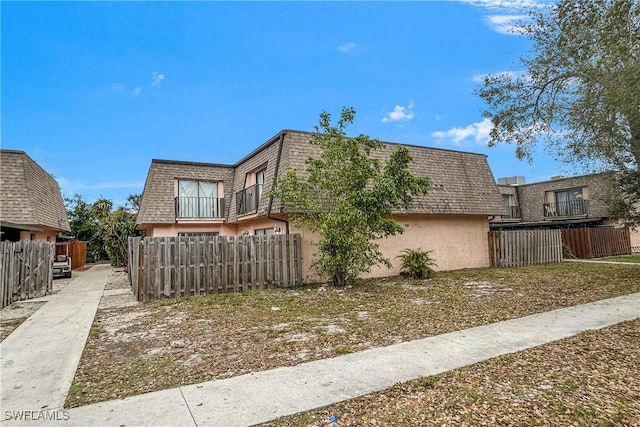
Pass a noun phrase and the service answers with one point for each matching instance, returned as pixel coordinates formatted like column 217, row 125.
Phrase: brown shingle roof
column 462, row 183
column 28, row 194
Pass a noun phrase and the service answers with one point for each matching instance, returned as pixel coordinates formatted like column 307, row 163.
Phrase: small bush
column 417, row 263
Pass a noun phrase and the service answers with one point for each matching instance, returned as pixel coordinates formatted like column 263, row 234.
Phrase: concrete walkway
column 38, row 360
column 263, row 396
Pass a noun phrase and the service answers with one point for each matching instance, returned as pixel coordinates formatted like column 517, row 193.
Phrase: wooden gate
column 26, row 270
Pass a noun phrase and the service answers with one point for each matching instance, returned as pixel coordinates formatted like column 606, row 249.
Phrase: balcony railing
column 248, row 199
column 513, row 212
column 199, row 207
column 562, row 209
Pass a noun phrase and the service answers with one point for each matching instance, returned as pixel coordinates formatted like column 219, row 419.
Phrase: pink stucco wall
column 249, row 225
column 456, row 242
column 635, row 237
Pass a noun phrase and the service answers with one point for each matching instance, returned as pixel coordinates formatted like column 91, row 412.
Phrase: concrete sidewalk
column 38, row 360
column 263, row 396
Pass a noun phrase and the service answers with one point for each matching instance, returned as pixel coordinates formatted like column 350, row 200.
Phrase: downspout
column 275, row 176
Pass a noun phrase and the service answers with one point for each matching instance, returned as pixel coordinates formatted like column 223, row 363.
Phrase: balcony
column 566, row 209
column 248, row 199
column 513, row 212
column 188, row 207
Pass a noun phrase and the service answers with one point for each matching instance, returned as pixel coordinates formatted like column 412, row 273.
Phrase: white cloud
column 117, row 87
column 156, row 78
column 137, row 91
column 400, row 113
column 507, row 24
column 507, row 16
column 477, row 132
column 346, row 47
column 508, row 4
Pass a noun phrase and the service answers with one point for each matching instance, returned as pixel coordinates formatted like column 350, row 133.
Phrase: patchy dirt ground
column 135, row 348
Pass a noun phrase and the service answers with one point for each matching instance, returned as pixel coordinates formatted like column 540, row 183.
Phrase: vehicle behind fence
column 26, row 270
column 172, row 267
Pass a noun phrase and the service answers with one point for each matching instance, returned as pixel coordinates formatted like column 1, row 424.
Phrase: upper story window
column 199, row 199
column 248, row 200
column 513, row 210
column 567, row 202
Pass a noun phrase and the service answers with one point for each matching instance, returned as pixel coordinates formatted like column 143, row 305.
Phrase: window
column 260, row 182
column 569, row 202
column 247, row 200
column 263, row 231
column 513, row 210
column 203, row 234
column 565, row 203
column 198, row 199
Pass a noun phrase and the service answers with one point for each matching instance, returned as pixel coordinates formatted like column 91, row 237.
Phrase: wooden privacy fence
column 77, row 252
column 172, row 267
column 597, row 242
column 514, row 248
column 26, row 270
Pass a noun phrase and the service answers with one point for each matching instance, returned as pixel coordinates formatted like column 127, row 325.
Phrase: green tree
column 133, row 202
column 85, row 226
column 347, row 196
column 580, row 94
column 115, row 227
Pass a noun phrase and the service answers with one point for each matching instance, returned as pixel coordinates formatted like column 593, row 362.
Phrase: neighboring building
column 182, row 198
column 561, row 202
column 31, row 206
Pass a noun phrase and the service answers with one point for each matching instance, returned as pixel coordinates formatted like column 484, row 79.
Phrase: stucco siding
column 224, row 229
column 46, row 235
column 635, row 237
column 172, row 230
column 456, row 242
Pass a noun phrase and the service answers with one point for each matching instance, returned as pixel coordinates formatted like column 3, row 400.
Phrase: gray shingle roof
column 28, row 194
column 462, row 182
column 158, row 197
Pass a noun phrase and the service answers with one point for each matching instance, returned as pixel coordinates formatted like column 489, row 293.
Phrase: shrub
column 417, row 263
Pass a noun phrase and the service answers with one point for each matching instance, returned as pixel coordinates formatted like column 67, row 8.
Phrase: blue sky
column 93, row 91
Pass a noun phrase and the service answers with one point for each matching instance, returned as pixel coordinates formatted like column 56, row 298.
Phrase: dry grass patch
column 164, row 344
column 587, row 380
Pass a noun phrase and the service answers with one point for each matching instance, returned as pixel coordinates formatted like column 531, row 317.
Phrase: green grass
column 623, row 258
